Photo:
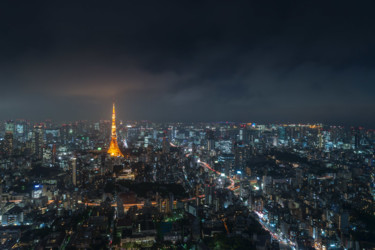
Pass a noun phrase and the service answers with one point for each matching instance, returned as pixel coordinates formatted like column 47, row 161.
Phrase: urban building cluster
column 223, row 185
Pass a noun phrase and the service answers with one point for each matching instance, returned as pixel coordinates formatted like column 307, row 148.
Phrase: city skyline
column 187, row 125
column 269, row 63
column 269, row 186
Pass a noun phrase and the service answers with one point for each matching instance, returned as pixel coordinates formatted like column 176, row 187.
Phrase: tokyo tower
column 113, row 146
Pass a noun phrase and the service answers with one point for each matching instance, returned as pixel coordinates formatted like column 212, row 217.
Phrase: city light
column 186, row 125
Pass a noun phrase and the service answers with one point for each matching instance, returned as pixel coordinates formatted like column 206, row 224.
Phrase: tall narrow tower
column 113, row 146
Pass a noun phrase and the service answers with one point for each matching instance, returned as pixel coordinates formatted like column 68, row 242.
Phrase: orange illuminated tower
column 113, row 146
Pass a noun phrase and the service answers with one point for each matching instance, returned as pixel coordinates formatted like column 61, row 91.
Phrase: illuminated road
column 276, row 236
column 231, row 186
column 125, row 205
column 284, row 242
column 207, row 166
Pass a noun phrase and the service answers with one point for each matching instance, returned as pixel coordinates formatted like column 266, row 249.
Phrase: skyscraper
column 37, row 141
column 113, row 146
column 8, row 138
column 166, row 146
column 8, row 143
column 74, row 171
column 210, row 139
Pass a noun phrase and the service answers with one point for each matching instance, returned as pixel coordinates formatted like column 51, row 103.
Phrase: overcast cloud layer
column 261, row 61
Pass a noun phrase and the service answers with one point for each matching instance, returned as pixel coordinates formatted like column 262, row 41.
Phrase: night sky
column 253, row 61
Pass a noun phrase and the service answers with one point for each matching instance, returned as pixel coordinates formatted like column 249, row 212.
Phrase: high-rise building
column 240, row 156
column 53, row 153
column 8, row 138
column 20, row 130
column 357, row 138
column 65, row 133
column 281, row 134
column 242, row 134
column 47, row 156
column 74, row 171
column 166, row 146
column 9, row 127
column 210, row 139
column 113, row 149
column 8, row 143
column 37, row 141
column 320, row 138
column 208, row 190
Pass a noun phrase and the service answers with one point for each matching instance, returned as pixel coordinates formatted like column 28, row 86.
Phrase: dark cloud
column 266, row 61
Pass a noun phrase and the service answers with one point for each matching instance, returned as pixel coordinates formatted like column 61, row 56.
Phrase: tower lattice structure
column 114, row 150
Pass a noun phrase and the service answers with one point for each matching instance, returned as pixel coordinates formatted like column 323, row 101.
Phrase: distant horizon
column 193, row 122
